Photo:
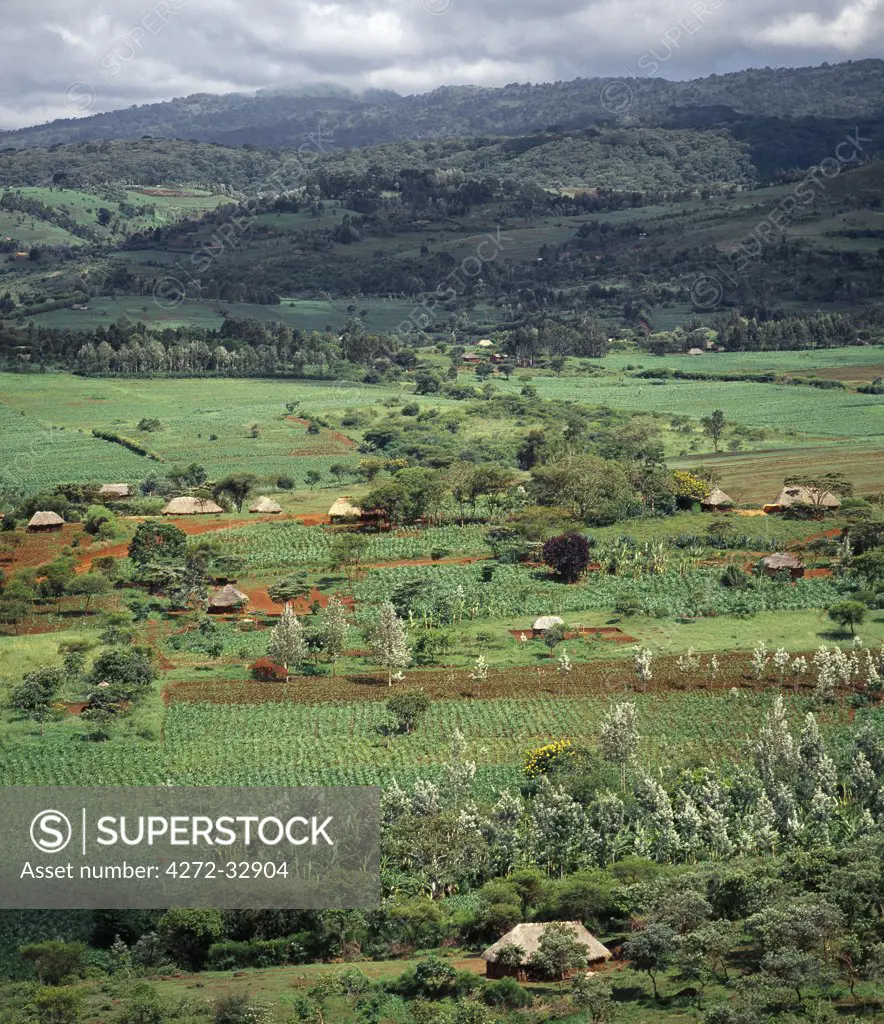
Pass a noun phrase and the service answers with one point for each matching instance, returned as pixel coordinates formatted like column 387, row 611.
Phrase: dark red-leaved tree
column 567, row 555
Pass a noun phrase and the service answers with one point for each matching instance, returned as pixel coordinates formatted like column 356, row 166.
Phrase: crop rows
column 452, row 592
column 344, row 744
column 280, row 545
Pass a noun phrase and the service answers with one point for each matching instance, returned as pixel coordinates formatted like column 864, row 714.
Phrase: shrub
column 506, row 992
column 55, row 960
column 567, row 555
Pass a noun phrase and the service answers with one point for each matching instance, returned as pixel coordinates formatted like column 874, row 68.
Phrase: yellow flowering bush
column 689, row 486
column 542, row 760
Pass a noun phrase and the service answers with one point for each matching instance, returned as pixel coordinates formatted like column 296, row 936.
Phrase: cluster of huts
column 718, row 500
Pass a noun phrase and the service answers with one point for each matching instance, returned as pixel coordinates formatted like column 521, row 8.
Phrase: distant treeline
column 248, row 348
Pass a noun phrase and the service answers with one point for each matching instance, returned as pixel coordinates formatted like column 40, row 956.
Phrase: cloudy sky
column 122, row 52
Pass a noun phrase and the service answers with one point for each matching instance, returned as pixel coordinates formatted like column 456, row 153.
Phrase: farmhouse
column 527, row 938
column 344, row 511
column 773, row 565
column 266, row 506
column 111, row 491
column 227, row 599
column 471, row 357
column 716, row 499
column 185, row 506
column 45, row 521
column 802, row 496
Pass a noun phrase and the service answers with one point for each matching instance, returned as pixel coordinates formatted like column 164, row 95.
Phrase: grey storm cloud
column 64, row 57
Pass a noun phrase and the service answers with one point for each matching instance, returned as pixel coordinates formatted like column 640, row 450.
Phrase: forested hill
column 851, row 91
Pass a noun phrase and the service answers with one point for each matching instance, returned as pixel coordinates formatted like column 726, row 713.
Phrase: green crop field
column 343, row 744
column 46, row 414
column 778, row 407
column 39, row 452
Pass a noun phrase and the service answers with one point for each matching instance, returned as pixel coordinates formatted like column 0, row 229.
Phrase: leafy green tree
column 558, row 952
column 714, row 426
column 16, row 600
column 408, row 708
column 157, row 542
column 99, row 520
column 187, row 934
column 89, row 585
column 591, row 994
column 58, row 1005
column 55, row 960
column 346, row 553
column 289, row 588
column 37, row 695
column 848, row 614
column 236, row 487
column 651, row 951
column 127, row 669
column 793, row 969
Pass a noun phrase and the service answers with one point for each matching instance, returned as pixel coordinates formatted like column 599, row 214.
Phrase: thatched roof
column 545, row 621
column 185, row 506
column 45, row 519
column 116, row 491
column 805, row 496
column 343, row 508
column 485, row 343
column 717, row 498
column 227, row 597
column 528, row 937
column 781, row 560
column 266, row 505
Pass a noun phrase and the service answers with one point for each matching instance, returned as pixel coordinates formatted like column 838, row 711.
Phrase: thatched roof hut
column 782, row 561
column 717, row 499
column 45, row 521
column 485, row 343
column 110, row 491
column 545, row 621
column 266, row 506
column 527, row 937
column 343, row 510
column 796, row 495
column 227, row 599
column 186, row 506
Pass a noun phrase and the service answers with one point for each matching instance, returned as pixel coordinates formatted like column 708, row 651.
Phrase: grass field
column 42, row 417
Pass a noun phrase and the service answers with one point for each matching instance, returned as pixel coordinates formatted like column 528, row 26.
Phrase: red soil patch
column 335, row 435
column 39, row 548
column 601, row 632
column 587, row 678
column 314, row 519
column 817, row 573
column 259, row 601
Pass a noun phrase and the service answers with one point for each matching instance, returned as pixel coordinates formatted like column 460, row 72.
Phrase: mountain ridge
column 278, row 118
